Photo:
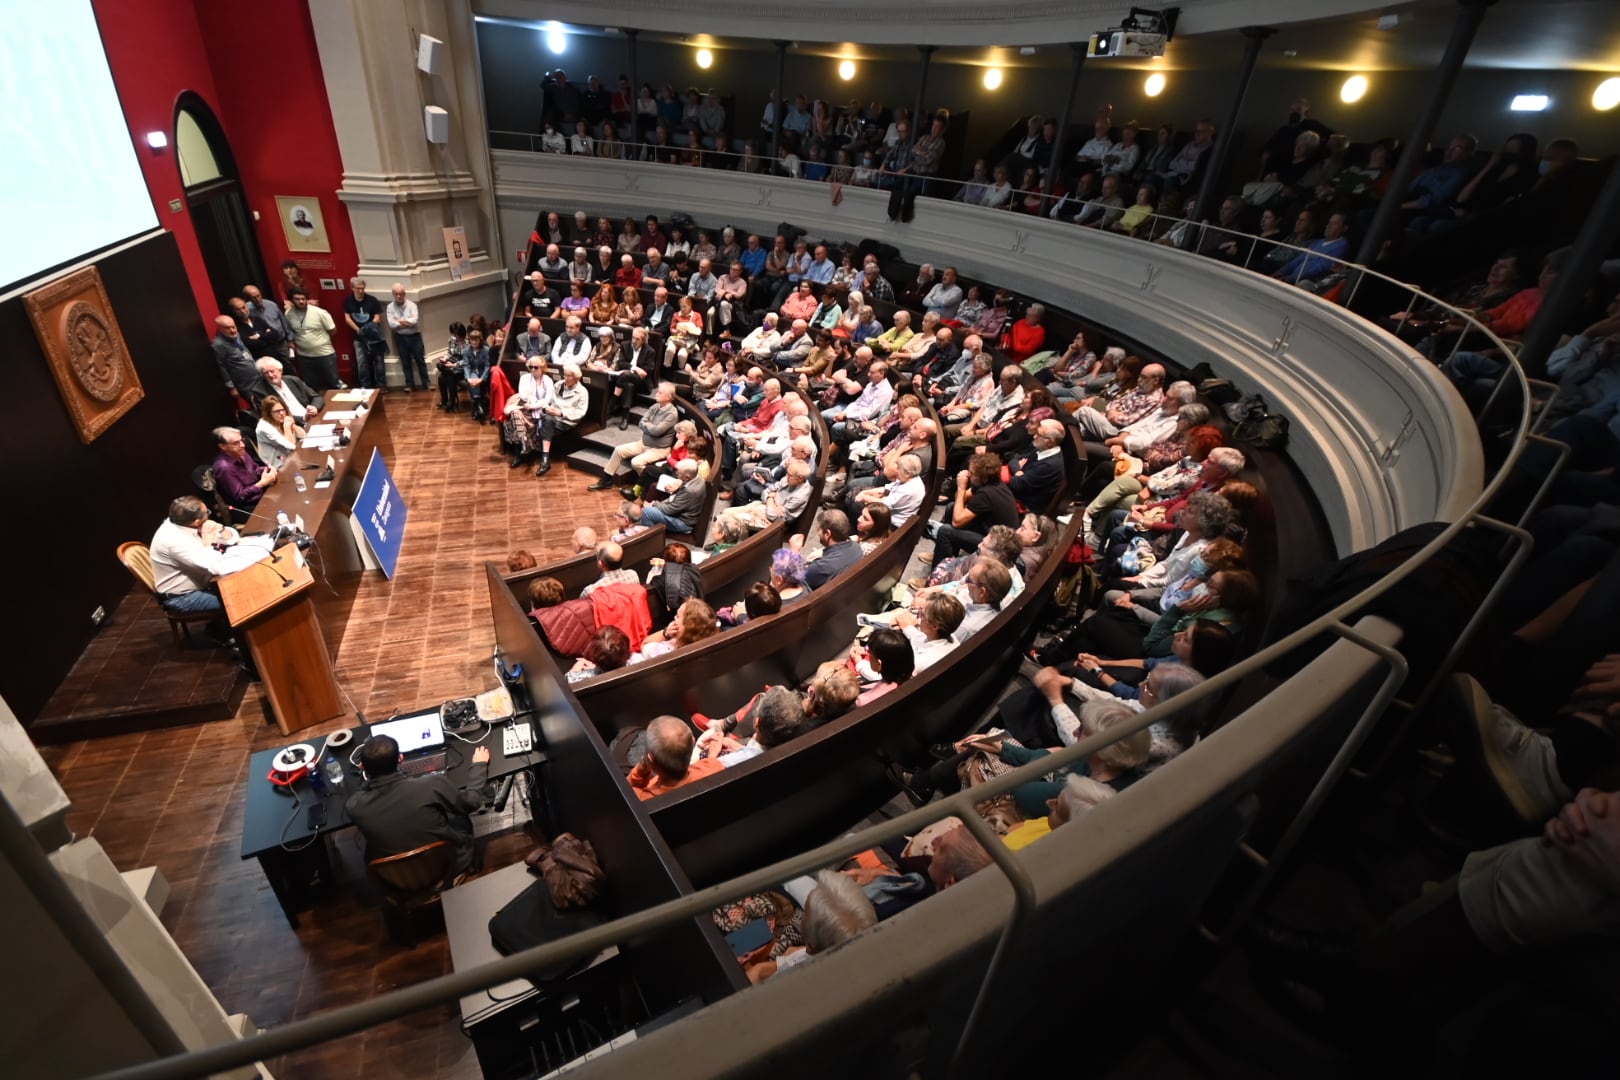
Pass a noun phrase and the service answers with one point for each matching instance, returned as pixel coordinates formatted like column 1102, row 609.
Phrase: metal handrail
column 448, row 988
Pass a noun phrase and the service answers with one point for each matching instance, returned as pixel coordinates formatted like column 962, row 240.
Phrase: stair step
column 589, row 459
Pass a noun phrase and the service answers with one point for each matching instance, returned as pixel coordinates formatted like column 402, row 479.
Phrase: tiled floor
column 173, row 798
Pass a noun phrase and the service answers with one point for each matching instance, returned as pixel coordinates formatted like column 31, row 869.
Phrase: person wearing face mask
column 866, row 171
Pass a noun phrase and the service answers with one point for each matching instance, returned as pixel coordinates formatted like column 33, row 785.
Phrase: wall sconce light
column 1353, row 90
column 1607, row 95
column 992, row 78
column 556, row 40
column 157, row 140
column 1154, row 85
column 705, row 59
column 846, row 70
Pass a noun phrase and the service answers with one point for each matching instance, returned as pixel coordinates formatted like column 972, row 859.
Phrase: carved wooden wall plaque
column 77, row 329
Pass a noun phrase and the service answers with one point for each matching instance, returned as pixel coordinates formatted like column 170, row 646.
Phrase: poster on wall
column 302, row 223
column 455, row 249
column 84, row 346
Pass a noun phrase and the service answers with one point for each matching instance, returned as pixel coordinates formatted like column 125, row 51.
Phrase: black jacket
column 300, row 390
column 1035, row 480
column 397, row 813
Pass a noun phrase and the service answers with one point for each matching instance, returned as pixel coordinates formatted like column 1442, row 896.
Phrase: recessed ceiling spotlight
column 1388, row 22
column 1530, row 103
column 1290, row 52
column 1027, row 50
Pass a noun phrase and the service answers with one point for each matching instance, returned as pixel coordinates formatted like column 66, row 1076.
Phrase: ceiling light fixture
column 157, row 140
column 1154, row 85
column 556, row 39
column 1026, row 50
column 705, row 58
column 1353, row 90
column 1607, row 95
column 992, row 78
column 846, row 70
column 1530, row 103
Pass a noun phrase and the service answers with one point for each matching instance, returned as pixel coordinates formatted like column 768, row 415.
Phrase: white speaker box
column 437, row 122
column 429, row 54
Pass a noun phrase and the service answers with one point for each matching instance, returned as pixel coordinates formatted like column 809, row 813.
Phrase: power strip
column 516, row 739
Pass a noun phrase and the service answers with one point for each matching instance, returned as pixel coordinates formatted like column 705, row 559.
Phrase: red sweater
column 1024, row 340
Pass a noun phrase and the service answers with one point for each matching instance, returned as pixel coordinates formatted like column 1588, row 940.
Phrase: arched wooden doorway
column 219, row 213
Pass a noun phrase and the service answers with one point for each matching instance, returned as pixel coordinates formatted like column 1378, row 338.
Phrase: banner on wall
column 455, row 249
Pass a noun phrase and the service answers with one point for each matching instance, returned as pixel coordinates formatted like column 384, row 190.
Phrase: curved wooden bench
column 797, row 795
column 729, row 666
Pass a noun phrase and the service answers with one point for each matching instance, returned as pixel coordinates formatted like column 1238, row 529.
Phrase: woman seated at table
column 694, row 621
column 278, row 433
column 605, row 307
column 630, row 309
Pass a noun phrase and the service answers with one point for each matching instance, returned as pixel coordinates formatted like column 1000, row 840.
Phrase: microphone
column 285, row 580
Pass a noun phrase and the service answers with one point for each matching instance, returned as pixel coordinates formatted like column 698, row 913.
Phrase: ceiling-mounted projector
column 1144, row 33
column 1126, row 43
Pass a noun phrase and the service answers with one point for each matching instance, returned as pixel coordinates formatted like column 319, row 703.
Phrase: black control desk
column 295, row 858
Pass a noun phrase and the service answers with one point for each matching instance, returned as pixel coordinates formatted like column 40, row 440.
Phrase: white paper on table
column 320, row 431
column 325, row 442
column 338, row 415
column 322, row 484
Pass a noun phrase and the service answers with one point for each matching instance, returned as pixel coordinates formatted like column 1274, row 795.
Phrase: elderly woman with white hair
column 540, row 410
column 1078, row 795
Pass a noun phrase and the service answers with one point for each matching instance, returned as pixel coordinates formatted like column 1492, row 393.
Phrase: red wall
column 270, row 100
column 155, row 51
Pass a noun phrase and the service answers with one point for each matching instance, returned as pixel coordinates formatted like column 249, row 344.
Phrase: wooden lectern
column 277, row 617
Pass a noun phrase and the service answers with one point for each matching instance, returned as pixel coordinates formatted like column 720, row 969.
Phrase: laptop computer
column 421, row 741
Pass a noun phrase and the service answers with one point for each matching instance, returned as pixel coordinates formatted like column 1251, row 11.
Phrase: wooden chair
column 137, row 559
column 411, row 882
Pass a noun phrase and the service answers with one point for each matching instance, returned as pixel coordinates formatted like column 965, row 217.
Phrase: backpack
column 1266, row 432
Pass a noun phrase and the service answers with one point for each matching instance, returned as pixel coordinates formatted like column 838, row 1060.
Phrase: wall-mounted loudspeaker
column 429, row 54
column 437, row 122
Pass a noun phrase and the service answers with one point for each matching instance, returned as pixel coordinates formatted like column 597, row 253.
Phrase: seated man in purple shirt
column 240, row 478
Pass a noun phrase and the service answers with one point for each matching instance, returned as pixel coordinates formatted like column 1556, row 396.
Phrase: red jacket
column 499, row 390
column 625, row 606
column 568, row 627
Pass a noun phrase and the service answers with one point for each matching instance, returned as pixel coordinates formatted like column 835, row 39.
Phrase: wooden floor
column 173, row 798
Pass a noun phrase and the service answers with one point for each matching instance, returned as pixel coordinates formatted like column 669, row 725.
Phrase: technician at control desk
column 398, row 813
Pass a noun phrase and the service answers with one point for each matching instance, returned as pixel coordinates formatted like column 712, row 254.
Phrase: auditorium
column 771, row 541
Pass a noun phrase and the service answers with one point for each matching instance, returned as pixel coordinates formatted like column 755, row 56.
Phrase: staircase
column 593, row 450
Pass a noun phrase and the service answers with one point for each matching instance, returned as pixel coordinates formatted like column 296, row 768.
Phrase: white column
column 400, row 190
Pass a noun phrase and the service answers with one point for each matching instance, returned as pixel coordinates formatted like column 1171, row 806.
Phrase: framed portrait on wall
column 302, row 223
column 84, row 346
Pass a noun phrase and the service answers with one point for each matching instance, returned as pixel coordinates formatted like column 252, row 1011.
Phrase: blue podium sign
column 379, row 511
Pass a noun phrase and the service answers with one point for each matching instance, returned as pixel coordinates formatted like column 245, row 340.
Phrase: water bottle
column 317, row 783
column 333, row 768
column 282, row 521
column 298, row 482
